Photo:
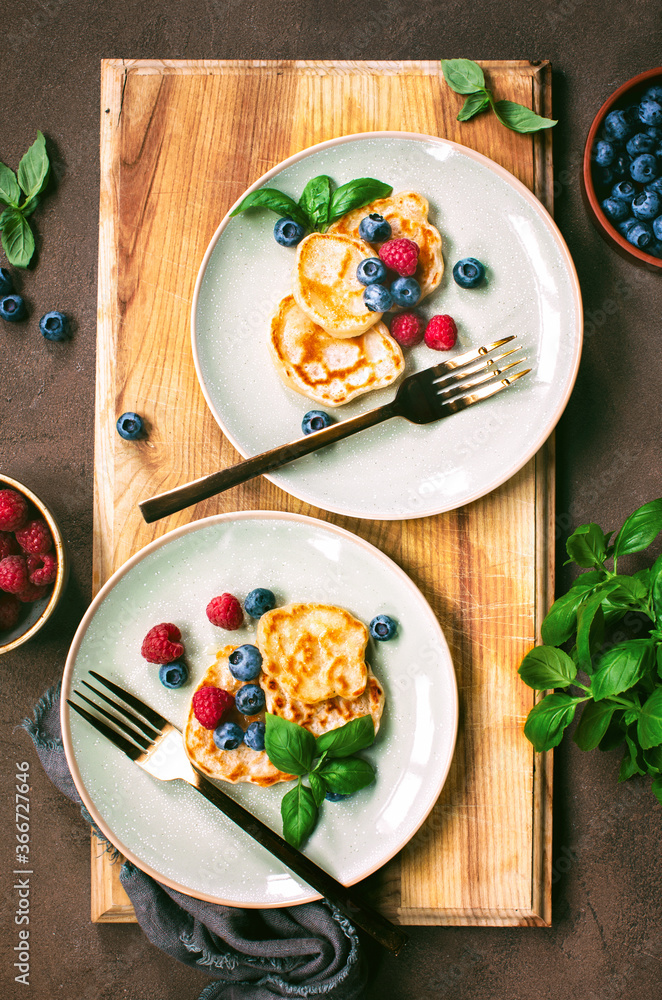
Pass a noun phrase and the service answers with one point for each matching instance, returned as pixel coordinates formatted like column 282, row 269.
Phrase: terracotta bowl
column 628, row 93
column 35, row 615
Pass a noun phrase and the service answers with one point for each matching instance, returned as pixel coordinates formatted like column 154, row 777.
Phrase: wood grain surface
column 180, row 141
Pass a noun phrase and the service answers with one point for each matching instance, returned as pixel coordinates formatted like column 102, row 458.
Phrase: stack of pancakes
column 313, row 674
column 325, row 343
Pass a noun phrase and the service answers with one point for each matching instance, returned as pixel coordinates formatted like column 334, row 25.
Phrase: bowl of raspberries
column 33, row 564
column 622, row 171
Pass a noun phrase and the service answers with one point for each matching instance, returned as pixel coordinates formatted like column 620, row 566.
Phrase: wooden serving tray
column 180, row 141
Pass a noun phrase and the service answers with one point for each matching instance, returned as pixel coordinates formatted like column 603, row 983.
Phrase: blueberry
column 375, row 229
column 604, row 153
column 650, row 111
column 640, row 235
column 617, row 126
column 625, row 226
column 378, row 298
column 615, row 210
column 288, row 233
column 640, row 143
column 655, row 249
column 624, row 191
column 254, row 736
column 371, row 271
column 468, row 272
column 249, row 699
column 647, row 205
column 130, row 426
column 621, row 166
column 173, row 675
column 315, row 420
column 657, row 228
column 383, row 627
column 54, row 326
column 406, row 292
column 606, row 177
column 12, row 308
column 644, row 169
column 337, row 796
column 655, row 185
column 6, row 283
column 228, row 736
column 655, row 132
column 259, row 601
column 654, row 92
column 245, row 662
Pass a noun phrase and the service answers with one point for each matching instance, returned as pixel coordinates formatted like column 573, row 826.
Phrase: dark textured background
column 606, row 939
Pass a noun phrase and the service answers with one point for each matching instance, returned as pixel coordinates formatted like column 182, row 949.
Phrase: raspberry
column 210, row 705
column 225, row 611
column 407, row 329
column 31, row 593
column 400, row 256
column 42, row 570
column 441, row 333
column 13, row 574
column 10, row 609
column 161, row 644
column 13, row 510
column 8, row 545
column 35, row 537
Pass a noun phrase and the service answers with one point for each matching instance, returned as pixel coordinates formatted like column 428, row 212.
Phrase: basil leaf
column 464, row 76
column 472, row 105
column 29, row 206
column 561, row 620
column 590, row 627
column 649, row 726
column 615, row 733
column 17, row 238
column 347, row 739
column 317, row 787
column 289, row 747
column 547, row 667
column 548, row 719
column 656, row 588
column 632, row 762
column 299, row 814
column 347, row 775
column 659, row 661
column 640, row 529
column 519, row 118
column 588, row 580
column 34, row 168
column 621, row 667
column 587, row 546
column 657, row 788
column 315, row 201
column 356, row 194
column 653, row 759
column 594, row 724
column 10, row 192
column 276, row 202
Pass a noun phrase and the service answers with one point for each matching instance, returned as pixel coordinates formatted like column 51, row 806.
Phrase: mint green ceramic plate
column 398, row 470
column 168, row 829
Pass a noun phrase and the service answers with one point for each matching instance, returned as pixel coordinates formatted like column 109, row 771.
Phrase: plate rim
column 554, row 230
column 65, row 713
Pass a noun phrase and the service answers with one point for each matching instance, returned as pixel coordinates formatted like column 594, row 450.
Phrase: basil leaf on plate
column 10, row 192
column 356, row 194
column 640, row 529
column 548, row 719
column 299, row 813
column 347, row 739
column 464, row 76
column 547, row 667
column 289, row 747
column 315, row 201
column 17, row 238
column 621, row 667
column 276, row 202
column 649, row 727
column 347, row 775
column 587, row 546
column 594, row 723
column 33, row 170
column 520, row 118
column 317, row 787
column 472, row 105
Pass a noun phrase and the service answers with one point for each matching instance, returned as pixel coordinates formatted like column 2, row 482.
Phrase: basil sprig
column 328, row 761
column 318, row 205
column 621, row 678
column 465, row 76
column 20, row 196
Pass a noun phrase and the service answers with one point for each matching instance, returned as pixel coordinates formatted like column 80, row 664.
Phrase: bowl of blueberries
column 622, row 174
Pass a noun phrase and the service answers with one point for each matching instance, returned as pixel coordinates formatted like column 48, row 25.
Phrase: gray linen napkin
column 300, row 951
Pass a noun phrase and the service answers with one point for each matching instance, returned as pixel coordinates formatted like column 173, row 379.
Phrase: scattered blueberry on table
column 130, row 426
column 6, row 283
column 54, row 325
column 12, row 308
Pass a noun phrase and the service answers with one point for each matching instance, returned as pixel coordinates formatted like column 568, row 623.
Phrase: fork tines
column 141, row 733
column 486, row 370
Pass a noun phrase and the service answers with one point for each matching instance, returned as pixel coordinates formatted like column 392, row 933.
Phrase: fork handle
column 359, row 912
column 200, row 489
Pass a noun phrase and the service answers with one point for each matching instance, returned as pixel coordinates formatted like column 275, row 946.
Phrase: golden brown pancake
column 325, row 285
column 329, row 714
column 407, row 213
column 313, row 651
column 324, row 368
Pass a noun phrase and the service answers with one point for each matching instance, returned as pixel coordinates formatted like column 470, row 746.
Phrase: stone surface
column 606, row 941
